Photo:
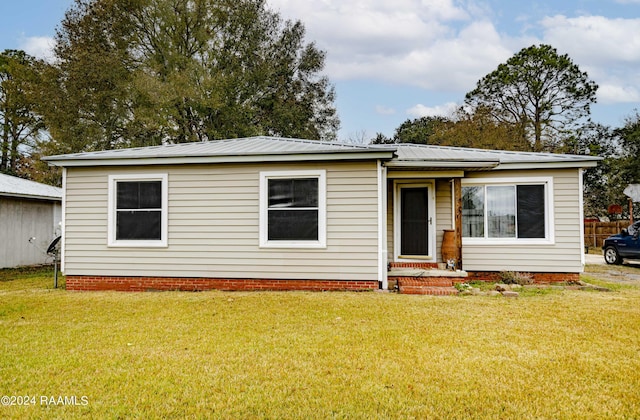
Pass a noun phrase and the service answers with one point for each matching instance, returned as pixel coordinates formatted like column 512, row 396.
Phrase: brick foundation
column 144, row 284
column 539, row 278
column 437, row 285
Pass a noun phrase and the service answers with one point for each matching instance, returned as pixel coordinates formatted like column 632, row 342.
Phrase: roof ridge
column 325, row 142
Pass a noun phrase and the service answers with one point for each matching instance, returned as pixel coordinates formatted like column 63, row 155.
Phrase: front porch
column 421, row 206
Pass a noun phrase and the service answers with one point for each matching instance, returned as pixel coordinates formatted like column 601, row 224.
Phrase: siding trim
column 581, row 211
column 64, row 219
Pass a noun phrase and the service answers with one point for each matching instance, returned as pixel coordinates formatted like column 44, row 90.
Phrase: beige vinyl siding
column 213, row 228
column 562, row 256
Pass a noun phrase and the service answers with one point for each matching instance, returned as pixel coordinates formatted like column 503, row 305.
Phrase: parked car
column 626, row 244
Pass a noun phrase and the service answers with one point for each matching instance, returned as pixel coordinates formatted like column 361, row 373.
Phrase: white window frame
column 549, row 225
column 321, row 175
column 164, row 216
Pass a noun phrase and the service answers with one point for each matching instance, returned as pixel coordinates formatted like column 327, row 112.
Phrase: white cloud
column 607, row 49
column 426, row 111
column 448, row 45
column 38, row 46
column 618, row 93
column 595, row 39
column 428, row 43
column 383, row 110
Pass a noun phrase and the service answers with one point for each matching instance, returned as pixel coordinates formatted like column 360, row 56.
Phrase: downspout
column 382, row 226
column 581, row 215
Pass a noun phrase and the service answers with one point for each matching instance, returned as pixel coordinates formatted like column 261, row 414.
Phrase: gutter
column 445, row 164
column 172, row 160
column 32, row 197
column 382, row 226
column 549, row 165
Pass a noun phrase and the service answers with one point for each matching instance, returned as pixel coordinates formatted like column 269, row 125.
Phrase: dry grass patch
column 320, row 355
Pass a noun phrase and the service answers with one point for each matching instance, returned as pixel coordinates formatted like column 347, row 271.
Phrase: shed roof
column 265, row 149
column 17, row 187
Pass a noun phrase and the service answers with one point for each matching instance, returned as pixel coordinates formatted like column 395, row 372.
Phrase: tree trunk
column 14, row 156
column 5, row 147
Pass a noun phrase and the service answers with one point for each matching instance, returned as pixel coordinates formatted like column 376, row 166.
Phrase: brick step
column 423, row 281
column 428, row 290
column 422, row 265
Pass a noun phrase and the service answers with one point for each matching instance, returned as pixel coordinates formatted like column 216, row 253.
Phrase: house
column 30, row 214
column 276, row 213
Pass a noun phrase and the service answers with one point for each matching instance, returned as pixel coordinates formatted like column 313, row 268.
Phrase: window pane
column 292, row 193
column 138, row 225
column 150, row 195
column 139, row 194
column 293, row 225
column 473, row 212
column 127, row 195
column 531, row 218
column 501, row 211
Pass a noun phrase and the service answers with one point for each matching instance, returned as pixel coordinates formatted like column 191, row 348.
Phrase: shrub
column 513, row 277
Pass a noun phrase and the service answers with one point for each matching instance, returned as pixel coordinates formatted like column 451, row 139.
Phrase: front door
column 414, row 221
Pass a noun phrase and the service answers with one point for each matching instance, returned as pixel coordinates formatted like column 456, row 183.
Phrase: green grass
column 569, row 354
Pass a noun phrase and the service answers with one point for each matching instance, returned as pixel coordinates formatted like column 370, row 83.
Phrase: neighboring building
column 30, row 216
column 275, row 213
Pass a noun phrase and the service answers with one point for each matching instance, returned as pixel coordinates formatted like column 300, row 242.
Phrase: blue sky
column 391, row 61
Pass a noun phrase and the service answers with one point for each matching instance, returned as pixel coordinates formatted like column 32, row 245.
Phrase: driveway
column 629, row 273
column 594, row 259
column 599, row 259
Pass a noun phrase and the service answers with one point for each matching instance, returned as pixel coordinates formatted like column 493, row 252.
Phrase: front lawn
column 570, row 354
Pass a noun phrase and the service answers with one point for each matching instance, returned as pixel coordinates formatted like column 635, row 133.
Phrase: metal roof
column 265, row 149
column 248, row 149
column 461, row 157
column 18, row 187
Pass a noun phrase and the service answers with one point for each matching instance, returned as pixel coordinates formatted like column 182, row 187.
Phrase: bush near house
column 570, row 354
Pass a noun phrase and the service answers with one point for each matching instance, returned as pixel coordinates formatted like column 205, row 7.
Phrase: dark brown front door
column 414, row 221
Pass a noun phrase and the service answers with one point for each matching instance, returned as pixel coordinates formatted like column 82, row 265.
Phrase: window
column 510, row 212
column 138, row 210
column 292, row 209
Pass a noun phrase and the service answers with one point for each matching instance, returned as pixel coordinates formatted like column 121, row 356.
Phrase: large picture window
column 500, row 211
column 292, row 210
column 138, row 210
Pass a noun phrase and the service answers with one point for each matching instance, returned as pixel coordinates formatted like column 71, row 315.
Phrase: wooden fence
column 596, row 232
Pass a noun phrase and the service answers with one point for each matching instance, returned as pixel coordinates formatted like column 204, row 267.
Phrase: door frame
column 398, row 185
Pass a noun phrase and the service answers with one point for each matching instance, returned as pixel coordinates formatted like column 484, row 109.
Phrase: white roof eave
column 548, row 165
column 441, row 164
